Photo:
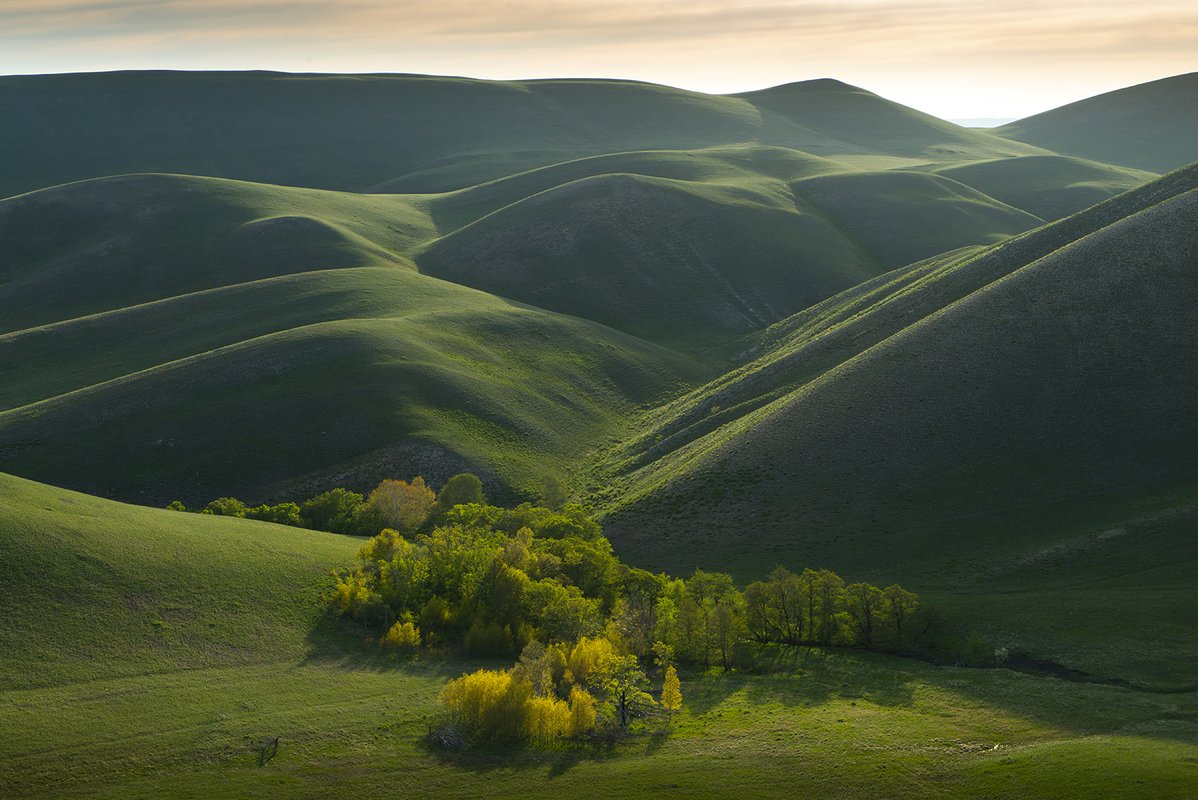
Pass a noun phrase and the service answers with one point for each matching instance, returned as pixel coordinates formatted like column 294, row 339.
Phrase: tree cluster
column 400, row 505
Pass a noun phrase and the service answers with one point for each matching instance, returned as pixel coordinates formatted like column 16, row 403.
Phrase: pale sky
column 966, row 58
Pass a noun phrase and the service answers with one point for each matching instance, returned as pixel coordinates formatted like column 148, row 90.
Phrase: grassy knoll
column 1149, row 126
column 145, row 653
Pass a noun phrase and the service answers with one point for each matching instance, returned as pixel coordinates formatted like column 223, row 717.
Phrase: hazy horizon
column 957, row 60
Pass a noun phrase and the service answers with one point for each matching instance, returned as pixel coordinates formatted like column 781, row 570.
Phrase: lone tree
column 624, row 684
column 671, row 690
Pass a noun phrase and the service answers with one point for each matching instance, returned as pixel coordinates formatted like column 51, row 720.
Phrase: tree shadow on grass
column 793, row 677
column 558, row 759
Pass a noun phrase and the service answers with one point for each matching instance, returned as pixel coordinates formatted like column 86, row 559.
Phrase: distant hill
column 1150, row 126
column 412, row 133
column 1051, row 187
column 725, row 241
column 959, row 418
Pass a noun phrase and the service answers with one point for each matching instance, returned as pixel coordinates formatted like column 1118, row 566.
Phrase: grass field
column 167, row 646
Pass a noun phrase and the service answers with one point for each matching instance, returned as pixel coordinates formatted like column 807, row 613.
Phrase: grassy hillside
column 1051, row 187
column 684, row 247
column 108, row 244
column 982, row 411
column 411, row 133
column 1149, row 126
column 146, row 653
column 175, row 336
column 212, row 336
column 97, row 590
column 861, row 127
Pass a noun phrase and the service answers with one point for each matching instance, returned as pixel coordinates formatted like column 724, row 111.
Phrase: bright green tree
column 461, row 490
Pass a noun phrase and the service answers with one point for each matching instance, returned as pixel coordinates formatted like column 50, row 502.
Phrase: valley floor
column 832, row 725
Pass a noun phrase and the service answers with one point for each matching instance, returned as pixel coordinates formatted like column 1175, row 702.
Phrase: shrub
column 402, row 636
column 461, row 489
column 546, row 719
column 226, row 507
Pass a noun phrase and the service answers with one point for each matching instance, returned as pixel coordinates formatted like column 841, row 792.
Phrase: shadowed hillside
column 411, row 133
column 950, row 417
column 1150, row 126
column 716, row 243
column 173, row 336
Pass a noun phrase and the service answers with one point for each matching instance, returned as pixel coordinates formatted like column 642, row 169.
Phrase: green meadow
column 148, row 653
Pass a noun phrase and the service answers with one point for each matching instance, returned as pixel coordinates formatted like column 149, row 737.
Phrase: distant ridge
column 415, row 133
column 1149, row 126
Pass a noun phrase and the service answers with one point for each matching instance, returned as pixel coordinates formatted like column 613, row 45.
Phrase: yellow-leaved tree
column 402, row 636
column 671, row 690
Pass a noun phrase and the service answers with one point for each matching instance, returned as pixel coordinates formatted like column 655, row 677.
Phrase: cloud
column 733, row 44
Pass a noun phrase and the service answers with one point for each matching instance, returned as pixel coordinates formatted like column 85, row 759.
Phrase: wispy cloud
column 1083, row 45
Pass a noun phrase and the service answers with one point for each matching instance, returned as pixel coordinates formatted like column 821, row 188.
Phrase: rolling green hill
column 95, row 589
column 1149, row 126
column 176, row 323
column 981, row 413
column 412, row 133
column 175, row 336
column 692, row 246
column 1051, row 187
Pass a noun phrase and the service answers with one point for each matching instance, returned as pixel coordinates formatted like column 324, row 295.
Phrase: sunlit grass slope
column 95, row 589
column 412, row 133
column 147, row 653
column 1149, row 126
column 981, row 411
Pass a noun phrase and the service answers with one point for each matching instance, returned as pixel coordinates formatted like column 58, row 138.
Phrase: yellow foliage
column 489, row 702
column 403, row 635
column 587, row 656
column 546, row 719
column 350, row 592
column 381, row 547
column 671, row 690
column 582, row 711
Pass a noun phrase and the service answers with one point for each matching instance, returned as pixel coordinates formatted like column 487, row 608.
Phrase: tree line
column 395, row 504
column 543, row 584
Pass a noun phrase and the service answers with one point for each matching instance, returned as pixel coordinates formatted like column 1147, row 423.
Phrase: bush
column 226, row 507
column 587, row 657
column 461, row 489
column 582, row 711
column 402, row 636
